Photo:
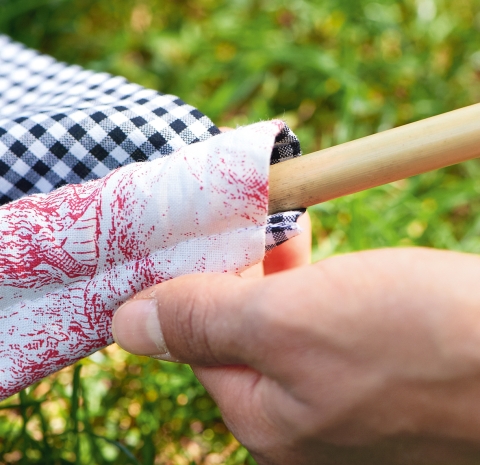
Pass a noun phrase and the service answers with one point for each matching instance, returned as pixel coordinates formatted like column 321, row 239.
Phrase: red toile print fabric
column 69, row 258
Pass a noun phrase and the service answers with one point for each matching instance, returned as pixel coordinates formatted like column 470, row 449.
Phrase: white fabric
column 61, row 124
column 70, row 258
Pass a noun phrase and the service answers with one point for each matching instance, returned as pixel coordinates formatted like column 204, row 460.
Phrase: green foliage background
column 335, row 70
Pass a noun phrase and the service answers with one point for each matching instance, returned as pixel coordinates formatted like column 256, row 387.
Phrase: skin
column 369, row 358
column 366, row 358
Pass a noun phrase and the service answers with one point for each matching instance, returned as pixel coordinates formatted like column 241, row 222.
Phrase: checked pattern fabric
column 107, row 188
column 71, row 257
column 61, row 124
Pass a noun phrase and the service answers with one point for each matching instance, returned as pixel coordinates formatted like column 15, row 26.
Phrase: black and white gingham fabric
column 61, row 124
column 286, row 146
column 64, row 124
column 282, row 226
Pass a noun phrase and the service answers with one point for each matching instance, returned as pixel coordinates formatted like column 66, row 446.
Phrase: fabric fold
column 62, row 124
column 71, row 257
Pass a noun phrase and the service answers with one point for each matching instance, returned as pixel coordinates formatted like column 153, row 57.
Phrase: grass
column 335, row 71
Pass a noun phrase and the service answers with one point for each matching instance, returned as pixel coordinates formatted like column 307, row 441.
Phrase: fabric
column 61, row 124
column 71, row 257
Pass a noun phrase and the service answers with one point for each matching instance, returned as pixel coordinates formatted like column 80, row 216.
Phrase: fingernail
column 136, row 328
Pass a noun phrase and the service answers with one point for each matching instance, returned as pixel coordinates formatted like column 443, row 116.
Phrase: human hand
column 367, row 358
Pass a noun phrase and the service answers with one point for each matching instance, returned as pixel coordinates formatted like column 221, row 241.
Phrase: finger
column 215, row 319
column 293, row 253
column 235, row 391
column 201, row 319
column 248, row 402
column 261, row 414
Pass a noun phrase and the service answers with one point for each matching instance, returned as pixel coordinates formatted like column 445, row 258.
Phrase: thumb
column 197, row 319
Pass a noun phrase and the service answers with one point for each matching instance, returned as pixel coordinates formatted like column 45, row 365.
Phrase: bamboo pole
column 388, row 156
